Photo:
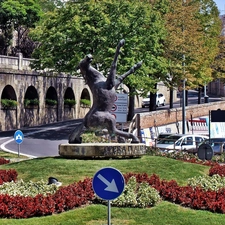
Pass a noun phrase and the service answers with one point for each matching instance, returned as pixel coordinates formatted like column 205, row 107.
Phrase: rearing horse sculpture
column 104, row 95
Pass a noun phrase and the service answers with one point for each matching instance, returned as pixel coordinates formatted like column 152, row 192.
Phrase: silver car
column 182, row 142
column 217, row 144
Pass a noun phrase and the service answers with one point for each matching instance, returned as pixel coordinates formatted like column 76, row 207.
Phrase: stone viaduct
column 20, row 84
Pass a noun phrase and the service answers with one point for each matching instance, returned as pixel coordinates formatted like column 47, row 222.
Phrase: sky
column 221, row 5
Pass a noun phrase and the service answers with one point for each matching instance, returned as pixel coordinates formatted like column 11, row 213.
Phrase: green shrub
column 31, row 102
column 213, row 183
column 50, row 101
column 7, row 103
column 30, row 188
column 137, row 195
column 85, row 102
column 70, row 102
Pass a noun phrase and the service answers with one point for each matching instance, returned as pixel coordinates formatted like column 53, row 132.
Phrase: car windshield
column 169, row 140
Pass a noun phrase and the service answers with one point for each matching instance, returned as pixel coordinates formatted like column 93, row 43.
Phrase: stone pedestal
column 102, row 150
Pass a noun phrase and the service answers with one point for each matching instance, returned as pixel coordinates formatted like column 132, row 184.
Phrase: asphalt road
column 43, row 141
column 39, row 141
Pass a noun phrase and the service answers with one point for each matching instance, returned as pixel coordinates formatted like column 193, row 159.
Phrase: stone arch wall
column 21, row 85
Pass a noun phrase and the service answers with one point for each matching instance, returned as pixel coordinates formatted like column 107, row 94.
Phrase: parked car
column 160, row 100
column 217, row 144
column 181, row 142
column 162, row 136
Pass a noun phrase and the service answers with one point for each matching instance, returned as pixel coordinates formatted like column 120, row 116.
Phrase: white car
column 181, row 142
column 160, row 100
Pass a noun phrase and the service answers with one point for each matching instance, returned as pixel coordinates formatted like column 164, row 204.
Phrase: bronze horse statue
column 104, row 95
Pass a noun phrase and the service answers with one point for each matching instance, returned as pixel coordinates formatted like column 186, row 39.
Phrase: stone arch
column 85, row 95
column 8, row 93
column 31, row 96
column 51, row 106
column 31, row 107
column 69, row 94
column 51, row 95
column 69, row 104
column 9, row 112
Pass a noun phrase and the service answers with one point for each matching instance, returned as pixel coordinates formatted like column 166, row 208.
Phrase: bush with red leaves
column 4, row 161
column 8, row 176
column 217, row 169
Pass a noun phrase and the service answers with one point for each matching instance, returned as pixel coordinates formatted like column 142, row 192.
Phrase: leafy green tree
column 16, row 16
column 219, row 63
column 83, row 27
column 210, row 22
column 192, row 41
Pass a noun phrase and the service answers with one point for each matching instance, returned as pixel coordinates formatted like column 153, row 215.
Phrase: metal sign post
column 18, row 137
column 108, row 184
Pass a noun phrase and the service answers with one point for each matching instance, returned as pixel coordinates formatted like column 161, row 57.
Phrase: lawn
column 68, row 170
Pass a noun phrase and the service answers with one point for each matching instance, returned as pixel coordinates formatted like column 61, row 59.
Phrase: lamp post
column 184, row 80
column 183, row 107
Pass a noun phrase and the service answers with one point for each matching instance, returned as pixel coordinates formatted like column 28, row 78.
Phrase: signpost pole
column 109, row 213
column 18, row 137
column 18, row 150
column 108, row 184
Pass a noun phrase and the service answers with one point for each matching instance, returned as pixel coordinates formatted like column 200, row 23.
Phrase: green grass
column 67, row 171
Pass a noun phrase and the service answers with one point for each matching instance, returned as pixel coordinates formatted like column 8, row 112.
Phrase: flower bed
column 81, row 193
column 66, row 198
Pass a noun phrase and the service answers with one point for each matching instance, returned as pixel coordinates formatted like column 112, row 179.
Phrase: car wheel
column 157, row 104
column 164, row 102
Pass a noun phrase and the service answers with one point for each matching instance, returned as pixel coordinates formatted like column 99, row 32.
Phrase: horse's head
column 84, row 65
column 85, row 62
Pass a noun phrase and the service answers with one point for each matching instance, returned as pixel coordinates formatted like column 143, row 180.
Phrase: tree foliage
column 83, row 27
column 192, row 41
column 16, row 16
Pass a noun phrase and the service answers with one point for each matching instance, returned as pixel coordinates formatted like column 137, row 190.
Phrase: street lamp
column 184, row 80
column 183, row 107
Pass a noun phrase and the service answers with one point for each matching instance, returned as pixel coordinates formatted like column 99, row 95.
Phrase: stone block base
column 102, row 150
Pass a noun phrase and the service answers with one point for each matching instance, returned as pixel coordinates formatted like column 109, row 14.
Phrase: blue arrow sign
column 108, row 183
column 18, row 136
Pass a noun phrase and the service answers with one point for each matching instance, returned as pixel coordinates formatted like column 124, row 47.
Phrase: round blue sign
column 18, row 136
column 108, row 183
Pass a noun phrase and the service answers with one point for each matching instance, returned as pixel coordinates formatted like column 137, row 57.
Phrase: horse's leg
column 127, row 135
column 75, row 136
column 120, row 79
column 110, row 82
column 111, row 126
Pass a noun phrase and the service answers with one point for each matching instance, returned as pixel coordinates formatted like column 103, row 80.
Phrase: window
column 188, row 141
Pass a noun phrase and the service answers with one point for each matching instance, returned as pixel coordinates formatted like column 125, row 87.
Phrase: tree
column 191, row 42
column 218, row 65
column 80, row 28
column 208, row 15
column 16, row 16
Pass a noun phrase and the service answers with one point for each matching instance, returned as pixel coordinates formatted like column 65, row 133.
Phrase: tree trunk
column 186, row 97
column 130, row 114
column 199, row 95
column 171, row 98
column 152, row 105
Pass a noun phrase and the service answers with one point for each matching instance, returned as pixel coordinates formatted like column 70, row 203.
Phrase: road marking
column 2, row 146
